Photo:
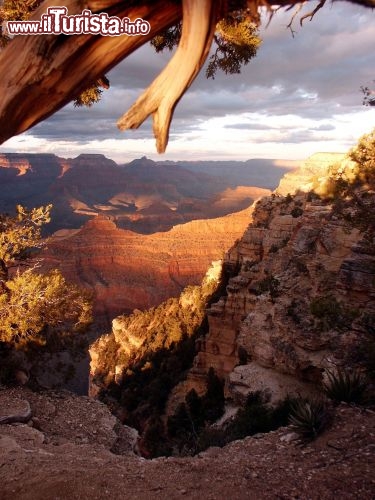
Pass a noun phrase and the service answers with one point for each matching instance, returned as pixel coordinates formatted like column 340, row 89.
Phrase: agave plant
column 308, row 418
column 341, row 385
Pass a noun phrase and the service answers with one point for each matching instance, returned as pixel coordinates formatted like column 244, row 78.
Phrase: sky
column 300, row 95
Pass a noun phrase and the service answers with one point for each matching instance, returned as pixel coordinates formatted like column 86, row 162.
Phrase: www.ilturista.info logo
column 57, row 22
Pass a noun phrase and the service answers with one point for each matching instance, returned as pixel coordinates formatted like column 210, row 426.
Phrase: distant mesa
column 143, row 196
column 127, row 271
column 136, row 234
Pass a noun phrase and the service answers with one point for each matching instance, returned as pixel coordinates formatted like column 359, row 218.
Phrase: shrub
column 213, row 401
column 345, row 386
column 254, row 417
column 301, row 267
column 212, row 436
column 274, row 248
column 242, row 355
column 331, row 313
column 269, row 284
column 288, row 198
column 308, row 418
column 296, row 212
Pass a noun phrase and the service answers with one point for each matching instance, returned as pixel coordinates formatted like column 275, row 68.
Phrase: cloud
column 314, row 77
column 249, row 126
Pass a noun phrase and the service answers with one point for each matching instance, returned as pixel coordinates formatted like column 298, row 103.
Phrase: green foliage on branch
column 351, row 188
column 15, row 10
column 237, row 42
column 88, row 97
column 38, row 308
column 34, row 307
column 168, row 39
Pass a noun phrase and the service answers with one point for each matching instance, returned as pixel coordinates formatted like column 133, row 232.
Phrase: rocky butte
column 299, row 295
column 128, row 270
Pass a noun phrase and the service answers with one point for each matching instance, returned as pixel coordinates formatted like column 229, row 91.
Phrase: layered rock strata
column 301, row 290
column 127, row 271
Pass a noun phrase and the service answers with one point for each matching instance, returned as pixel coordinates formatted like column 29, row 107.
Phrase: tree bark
column 198, row 28
column 41, row 74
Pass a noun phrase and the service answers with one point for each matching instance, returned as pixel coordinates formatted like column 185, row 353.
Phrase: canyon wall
column 301, row 295
column 142, row 196
column 127, row 271
column 296, row 297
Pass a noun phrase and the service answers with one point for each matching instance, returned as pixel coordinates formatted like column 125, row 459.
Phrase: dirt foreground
column 64, row 452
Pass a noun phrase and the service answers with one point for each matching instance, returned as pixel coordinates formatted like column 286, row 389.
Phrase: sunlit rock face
column 136, row 338
column 127, row 271
column 302, row 283
column 311, row 174
column 143, row 196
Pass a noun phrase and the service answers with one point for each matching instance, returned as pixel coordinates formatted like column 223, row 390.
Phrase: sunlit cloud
column 298, row 96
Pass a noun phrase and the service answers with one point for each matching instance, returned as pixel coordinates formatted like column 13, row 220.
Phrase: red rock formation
column 127, row 270
column 301, row 292
column 142, row 196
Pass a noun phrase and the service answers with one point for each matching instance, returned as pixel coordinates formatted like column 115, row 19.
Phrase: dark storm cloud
column 317, row 74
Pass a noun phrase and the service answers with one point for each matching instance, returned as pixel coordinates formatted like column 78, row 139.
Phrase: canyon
column 138, row 233
column 298, row 297
column 291, row 298
column 143, row 196
column 127, row 270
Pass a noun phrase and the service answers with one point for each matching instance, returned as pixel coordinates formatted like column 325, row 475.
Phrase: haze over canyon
column 138, row 233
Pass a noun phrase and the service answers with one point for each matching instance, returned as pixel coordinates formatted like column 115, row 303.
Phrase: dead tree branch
column 161, row 97
column 41, row 74
column 313, row 12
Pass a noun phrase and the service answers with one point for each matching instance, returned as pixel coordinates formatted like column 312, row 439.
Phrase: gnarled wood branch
column 198, row 26
column 313, row 12
column 41, row 74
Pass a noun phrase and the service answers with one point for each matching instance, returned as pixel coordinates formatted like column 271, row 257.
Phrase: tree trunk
column 41, row 74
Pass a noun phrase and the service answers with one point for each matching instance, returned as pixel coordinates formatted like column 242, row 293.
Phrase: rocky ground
column 71, row 447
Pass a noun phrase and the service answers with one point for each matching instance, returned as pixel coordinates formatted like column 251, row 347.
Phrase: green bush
column 296, row 212
column 254, row 417
column 308, row 418
column 331, row 313
column 345, row 386
column 274, row 248
column 269, row 284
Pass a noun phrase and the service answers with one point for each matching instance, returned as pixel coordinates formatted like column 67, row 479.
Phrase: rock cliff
column 301, row 293
column 300, row 288
column 127, row 271
column 137, row 338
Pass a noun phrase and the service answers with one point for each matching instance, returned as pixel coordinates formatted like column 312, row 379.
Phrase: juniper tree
column 34, row 307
